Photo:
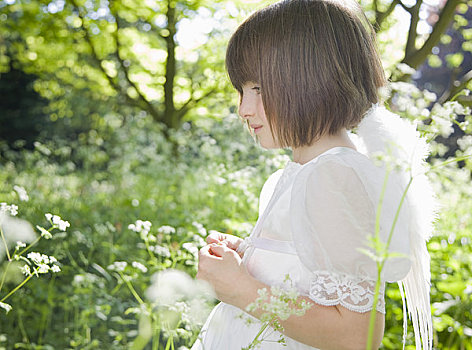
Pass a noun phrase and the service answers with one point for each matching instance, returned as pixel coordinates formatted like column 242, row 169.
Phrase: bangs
column 242, row 57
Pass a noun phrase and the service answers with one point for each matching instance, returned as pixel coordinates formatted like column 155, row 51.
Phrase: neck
column 304, row 154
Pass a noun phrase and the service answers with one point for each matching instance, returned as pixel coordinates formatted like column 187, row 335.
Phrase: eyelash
column 257, row 89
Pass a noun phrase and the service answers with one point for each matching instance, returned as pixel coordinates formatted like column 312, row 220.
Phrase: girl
column 307, row 71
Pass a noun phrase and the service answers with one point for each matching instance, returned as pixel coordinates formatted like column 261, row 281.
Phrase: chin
column 269, row 145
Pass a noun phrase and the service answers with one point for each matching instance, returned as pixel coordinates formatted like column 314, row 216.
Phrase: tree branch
column 406, row 8
column 191, row 102
column 455, row 89
column 95, row 57
column 412, row 32
column 98, row 61
column 415, row 58
column 148, row 106
column 381, row 16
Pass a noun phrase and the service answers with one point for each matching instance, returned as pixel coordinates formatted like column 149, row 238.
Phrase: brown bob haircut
column 316, row 62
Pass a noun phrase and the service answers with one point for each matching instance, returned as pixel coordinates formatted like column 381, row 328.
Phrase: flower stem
column 373, row 313
column 454, row 160
column 263, row 328
column 380, row 265
column 5, row 244
column 131, row 288
column 151, row 254
column 29, row 246
column 4, row 275
column 16, row 288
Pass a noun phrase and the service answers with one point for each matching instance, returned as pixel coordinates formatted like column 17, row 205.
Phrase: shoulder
column 272, row 179
column 268, row 189
column 341, row 170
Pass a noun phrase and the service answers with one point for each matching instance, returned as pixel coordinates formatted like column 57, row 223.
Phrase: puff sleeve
column 333, row 214
column 268, row 190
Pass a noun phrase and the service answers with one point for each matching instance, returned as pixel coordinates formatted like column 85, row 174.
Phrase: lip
column 256, row 128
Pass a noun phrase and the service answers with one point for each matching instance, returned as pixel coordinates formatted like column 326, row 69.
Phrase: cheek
column 261, row 112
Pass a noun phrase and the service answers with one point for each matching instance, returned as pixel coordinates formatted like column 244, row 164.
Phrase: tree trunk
column 170, row 115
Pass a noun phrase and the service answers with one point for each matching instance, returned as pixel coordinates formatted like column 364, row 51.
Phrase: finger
column 211, row 240
column 230, row 244
column 222, row 250
column 204, row 250
column 206, row 253
column 215, row 237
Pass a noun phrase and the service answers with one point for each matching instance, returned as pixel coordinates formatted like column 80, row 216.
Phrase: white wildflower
column 199, row 240
column 22, row 194
column 139, row 266
column 78, row 280
column 26, row 270
column 167, row 230
column 162, row 251
column 118, row 266
column 465, row 142
column 281, row 303
column 44, row 233
column 171, row 286
column 43, row 268
column 20, row 245
column 11, row 209
column 35, row 257
column 55, row 268
column 405, row 69
column 201, row 230
column 191, row 248
column 5, row 306
column 45, row 258
column 429, row 96
column 14, row 230
column 220, row 180
column 56, row 221
column 52, row 259
column 61, row 224
column 141, row 226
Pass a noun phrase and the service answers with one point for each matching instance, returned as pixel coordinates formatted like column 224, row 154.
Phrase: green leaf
column 455, row 60
column 455, row 288
column 434, row 61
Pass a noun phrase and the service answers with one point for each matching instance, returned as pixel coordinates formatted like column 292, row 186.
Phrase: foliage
column 125, row 179
column 103, row 163
column 123, row 175
column 93, row 57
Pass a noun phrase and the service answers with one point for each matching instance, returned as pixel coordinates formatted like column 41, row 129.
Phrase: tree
column 419, row 47
column 123, row 53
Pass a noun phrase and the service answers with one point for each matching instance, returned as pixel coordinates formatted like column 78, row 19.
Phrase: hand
column 230, row 241
column 223, row 269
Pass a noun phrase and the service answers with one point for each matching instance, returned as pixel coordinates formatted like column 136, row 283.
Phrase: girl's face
column 251, row 110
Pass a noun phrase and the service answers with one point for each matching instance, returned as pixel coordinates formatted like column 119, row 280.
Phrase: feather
column 382, row 131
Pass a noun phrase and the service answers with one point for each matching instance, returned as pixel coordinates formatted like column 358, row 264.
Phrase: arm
column 324, row 327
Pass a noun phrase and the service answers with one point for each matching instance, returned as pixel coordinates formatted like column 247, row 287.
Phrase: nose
column 246, row 108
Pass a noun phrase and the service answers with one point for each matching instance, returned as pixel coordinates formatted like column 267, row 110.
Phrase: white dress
column 313, row 221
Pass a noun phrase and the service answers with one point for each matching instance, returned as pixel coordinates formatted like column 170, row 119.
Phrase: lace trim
column 354, row 293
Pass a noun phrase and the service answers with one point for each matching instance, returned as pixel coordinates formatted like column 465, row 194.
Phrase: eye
column 257, row 89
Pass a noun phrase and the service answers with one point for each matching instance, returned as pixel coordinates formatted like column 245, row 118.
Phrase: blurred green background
column 114, row 111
